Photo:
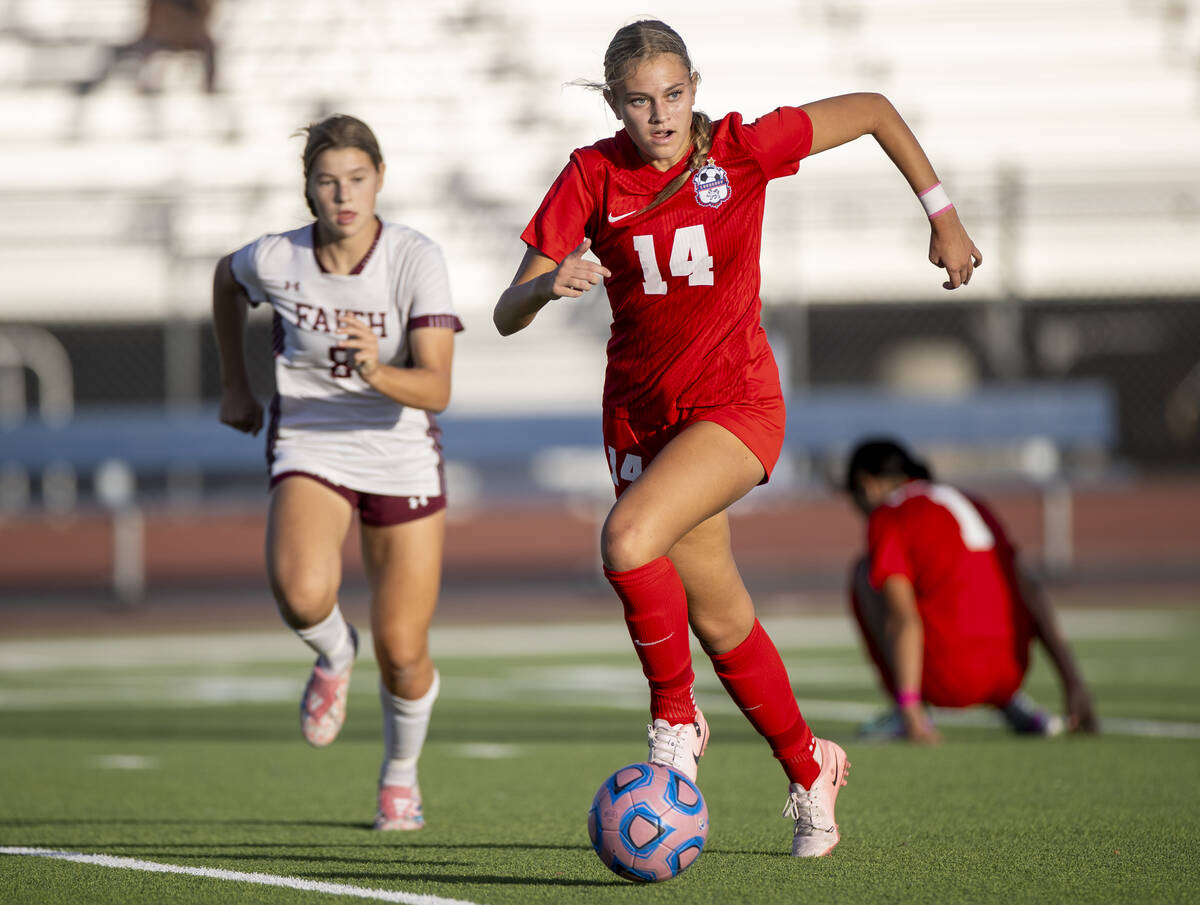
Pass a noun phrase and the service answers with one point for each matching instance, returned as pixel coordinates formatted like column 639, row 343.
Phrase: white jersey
column 325, row 419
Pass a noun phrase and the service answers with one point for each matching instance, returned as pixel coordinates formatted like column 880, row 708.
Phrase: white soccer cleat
column 678, row 745
column 323, row 704
column 815, row 831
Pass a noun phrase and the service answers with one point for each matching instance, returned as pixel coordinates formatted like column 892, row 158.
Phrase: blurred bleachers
column 1088, row 107
column 1068, row 132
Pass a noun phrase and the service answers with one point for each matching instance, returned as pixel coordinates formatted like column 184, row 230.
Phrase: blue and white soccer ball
column 648, row 823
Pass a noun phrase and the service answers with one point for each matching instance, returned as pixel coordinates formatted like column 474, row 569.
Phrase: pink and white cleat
column 678, row 745
column 399, row 808
column 323, row 705
column 816, row 832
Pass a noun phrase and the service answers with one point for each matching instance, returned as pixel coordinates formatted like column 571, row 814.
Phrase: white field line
column 218, row 649
column 126, row 663
column 980, row 718
column 213, row 873
column 124, row 762
column 1148, row 728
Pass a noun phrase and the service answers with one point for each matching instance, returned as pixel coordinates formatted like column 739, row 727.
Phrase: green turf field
column 185, row 751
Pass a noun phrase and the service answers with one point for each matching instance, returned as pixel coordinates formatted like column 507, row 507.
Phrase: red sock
column 755, row 677
column 656, row 615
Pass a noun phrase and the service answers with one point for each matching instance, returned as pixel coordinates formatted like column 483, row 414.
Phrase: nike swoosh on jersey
column 619, row 217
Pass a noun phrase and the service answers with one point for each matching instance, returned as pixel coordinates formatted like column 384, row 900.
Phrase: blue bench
column 824, row 422
column 1069, row 415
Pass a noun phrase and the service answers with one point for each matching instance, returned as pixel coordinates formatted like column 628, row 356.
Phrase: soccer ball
column 648, row 823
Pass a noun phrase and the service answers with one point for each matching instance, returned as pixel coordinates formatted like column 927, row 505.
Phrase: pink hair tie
column 904, row 698
column 935, row 200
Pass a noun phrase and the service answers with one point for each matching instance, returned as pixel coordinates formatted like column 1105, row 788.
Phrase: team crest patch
column 712, row 185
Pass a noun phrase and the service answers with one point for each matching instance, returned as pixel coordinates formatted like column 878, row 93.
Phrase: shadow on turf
column 473, row 879
column 226, row 853
column 305, row 844
column 186, row 851
column 757, row 853
column 342, row 824
column 117, row 821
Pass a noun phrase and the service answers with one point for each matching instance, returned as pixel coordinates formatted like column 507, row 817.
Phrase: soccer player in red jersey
column 672, row 206
column 946, row 612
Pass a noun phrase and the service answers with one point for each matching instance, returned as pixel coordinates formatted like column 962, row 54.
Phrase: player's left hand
column 952, row 249
column 359, row 336
column 918, row 727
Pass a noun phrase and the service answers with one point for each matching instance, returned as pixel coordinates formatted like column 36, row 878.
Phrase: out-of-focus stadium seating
column 1091, row 106
column 1068, row 132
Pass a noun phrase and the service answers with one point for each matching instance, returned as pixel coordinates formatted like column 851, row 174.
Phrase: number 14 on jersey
column 689, row 258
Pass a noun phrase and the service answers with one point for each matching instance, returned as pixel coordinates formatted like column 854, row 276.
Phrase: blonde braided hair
column 634, row 44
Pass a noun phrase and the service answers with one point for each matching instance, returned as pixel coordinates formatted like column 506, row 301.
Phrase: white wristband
column 935, row 200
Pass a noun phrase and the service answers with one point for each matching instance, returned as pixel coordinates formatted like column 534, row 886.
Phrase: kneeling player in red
column 946, row 612
column 672, row 205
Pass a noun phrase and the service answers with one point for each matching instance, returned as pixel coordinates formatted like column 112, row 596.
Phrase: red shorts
column 978, row 672
column 955, row 672
column 376, row 509
column 632, row 445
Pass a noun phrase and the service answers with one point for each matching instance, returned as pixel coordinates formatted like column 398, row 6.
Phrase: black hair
column 881, row 456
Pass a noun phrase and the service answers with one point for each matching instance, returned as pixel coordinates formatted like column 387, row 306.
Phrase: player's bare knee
column 404, row 673
column 401, row 655
column 303, row 598
column 624, row 544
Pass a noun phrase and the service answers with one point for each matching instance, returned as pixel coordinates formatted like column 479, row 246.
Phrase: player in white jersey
column 363, row 343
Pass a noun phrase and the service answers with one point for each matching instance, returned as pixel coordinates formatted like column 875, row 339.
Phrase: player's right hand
column 575, row 275
column 1080, row 715
column 241, row 411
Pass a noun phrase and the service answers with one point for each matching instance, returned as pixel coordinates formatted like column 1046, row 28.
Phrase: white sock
column 405, row 724
column 331, row 639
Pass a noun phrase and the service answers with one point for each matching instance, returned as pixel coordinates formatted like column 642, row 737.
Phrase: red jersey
column 684, row 292
column 960, row 562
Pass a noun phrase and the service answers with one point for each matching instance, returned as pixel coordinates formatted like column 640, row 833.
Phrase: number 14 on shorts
column 631, row 467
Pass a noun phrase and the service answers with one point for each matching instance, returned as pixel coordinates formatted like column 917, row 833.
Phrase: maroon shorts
column 376, row 509
column 631, row 445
